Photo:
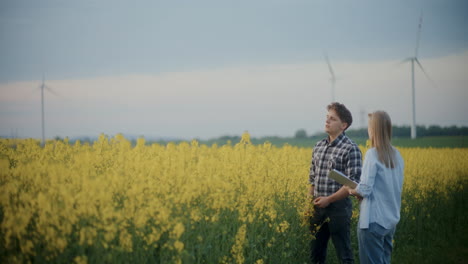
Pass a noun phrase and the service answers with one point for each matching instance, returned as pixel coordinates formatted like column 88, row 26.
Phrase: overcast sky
column 203, row 69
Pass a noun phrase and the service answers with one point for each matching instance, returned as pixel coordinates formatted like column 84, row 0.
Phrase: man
column 332, row 206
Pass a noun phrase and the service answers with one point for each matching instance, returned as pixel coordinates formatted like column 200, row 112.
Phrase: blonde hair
column 380, row 133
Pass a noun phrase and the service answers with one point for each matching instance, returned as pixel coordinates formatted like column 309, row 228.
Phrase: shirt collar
column 337, row 140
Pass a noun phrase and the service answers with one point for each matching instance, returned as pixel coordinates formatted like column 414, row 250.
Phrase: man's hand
column 322, row 201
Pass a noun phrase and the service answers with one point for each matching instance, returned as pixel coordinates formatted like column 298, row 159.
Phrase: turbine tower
column 362, row 113
column 42, row 110
column 332, row 78
column 43, row 87
column 414, row 60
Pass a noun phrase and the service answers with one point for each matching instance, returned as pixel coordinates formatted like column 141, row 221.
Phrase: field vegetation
column 110, row 201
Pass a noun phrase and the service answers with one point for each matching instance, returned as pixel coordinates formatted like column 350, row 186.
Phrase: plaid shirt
column 343, row 155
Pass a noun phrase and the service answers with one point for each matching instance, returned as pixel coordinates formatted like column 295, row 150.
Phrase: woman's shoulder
column 371, row 156
column 372, row 152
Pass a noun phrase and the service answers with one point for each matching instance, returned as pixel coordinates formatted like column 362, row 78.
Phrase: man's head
column 339, row 118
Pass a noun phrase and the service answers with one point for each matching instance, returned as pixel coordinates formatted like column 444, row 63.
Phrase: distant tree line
column 397, row 131
column 400, row 131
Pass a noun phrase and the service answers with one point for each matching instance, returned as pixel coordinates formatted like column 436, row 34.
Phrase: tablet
column 342, row 178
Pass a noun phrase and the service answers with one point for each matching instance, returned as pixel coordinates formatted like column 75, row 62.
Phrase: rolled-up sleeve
column 354, row 164
column 369, row 171
column 312, row 170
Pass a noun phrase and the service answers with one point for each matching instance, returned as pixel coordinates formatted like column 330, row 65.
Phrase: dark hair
column 343, row 113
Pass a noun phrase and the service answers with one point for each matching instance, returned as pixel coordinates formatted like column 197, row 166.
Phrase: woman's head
column 380, row 135
column 380, row 128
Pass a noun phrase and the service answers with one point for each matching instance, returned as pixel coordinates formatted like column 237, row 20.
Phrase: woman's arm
column 369, row 171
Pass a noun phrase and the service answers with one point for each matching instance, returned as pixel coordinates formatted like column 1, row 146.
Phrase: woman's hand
column 354, row 193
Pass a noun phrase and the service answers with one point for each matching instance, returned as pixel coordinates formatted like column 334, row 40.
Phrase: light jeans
column 375, row 244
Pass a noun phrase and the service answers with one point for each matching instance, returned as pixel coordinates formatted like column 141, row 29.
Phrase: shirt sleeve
column 369, row 171
column 353, row 168
column 312, row 170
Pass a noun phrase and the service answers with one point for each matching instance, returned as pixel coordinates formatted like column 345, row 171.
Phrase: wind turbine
column 332, row 78
column 43, row 87
column 414, row 60
column 362, row 114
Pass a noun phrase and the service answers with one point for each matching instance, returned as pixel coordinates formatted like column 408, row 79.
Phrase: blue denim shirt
column 381, row 188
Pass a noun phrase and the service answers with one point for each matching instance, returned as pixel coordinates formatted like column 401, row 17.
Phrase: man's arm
column 311, row 176
column 354, row 164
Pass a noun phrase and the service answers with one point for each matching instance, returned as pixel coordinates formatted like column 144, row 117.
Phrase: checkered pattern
column 342, row 154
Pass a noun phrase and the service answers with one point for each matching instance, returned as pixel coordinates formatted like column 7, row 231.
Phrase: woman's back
column 386, row 197
column 381, row 188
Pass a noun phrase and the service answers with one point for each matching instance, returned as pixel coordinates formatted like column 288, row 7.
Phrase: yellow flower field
column 184, row 203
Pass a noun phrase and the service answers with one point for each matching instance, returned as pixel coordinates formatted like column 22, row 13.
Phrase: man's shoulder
column 349, row 143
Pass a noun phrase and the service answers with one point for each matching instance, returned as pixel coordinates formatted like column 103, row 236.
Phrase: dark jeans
column 338, row 228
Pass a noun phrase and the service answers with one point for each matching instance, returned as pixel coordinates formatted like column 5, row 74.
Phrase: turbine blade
column 330, row 67
column 29, row 93
column 405, row 61
column 425, row 73
column 50, row 90
column 418, row 36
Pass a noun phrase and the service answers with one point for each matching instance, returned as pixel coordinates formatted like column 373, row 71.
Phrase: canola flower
column 179, row 203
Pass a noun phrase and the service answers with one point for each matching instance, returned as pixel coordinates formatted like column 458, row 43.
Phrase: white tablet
column 342, row 178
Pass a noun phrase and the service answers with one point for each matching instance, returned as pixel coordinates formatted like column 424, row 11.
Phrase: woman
column 380, row 190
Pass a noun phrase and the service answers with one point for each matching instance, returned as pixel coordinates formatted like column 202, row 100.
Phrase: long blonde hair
column 380, row 133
